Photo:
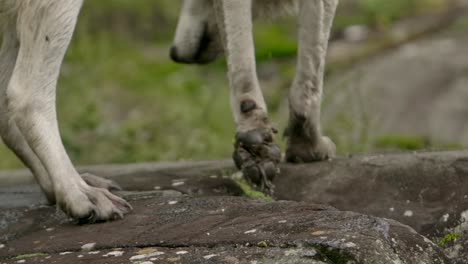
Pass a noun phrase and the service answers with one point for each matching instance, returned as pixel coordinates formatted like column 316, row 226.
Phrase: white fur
column 234, row 23
column 36, row 35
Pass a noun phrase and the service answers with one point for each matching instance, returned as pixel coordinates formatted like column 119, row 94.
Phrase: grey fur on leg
column 255, row 153
column 305, row 142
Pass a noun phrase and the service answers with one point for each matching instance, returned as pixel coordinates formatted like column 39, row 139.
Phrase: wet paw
column 90, row 205
column 100, row 182
column 257, row 156
column 298, row 152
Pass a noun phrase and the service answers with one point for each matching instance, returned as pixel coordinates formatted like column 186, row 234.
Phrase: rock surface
column 167, row 227
column 427, row 191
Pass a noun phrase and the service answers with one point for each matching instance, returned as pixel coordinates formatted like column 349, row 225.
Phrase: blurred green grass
column 121, row 100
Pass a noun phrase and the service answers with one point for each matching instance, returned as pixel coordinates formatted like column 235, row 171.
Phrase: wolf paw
column 258, row 157
column 298, row 152
column 89, row 204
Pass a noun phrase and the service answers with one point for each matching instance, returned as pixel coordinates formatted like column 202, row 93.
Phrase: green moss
column 262, row 244
column 448, row 238
column 251, row 193
column 28, row 256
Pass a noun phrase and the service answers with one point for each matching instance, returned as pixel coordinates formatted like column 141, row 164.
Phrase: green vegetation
column 262, row 244
column 121, row 99
column 401, row 142
column 447, row 239
column 251, row 193
column 382, row 13
column 28, row 256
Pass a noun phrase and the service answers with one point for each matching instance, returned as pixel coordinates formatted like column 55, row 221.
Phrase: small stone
column 183, row 252
column 21, row 261
column 391, row 209
column 154, row 254
column 65, row 253
column 408, row 213
column 172, row 202
column 349, row 245
column 137, row 257
column 282, row 221
column 114, row 254
column 93, row 252
column 157, row 187
column 420, row 248
column 88, row 246
column 318, row 233
column 445, row 217
column 210, row 256
column 146, row 262
column 175, row 184
column 80, row 256
column 250, row 231
column 2, row 246
column 50, row 229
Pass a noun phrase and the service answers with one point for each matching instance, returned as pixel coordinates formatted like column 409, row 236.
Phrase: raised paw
column 90, row 205
column 99, row 182
column 257, row 156
column 301, row 152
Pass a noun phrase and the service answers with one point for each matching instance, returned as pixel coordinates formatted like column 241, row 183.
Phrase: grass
column 401, row 142
column 121, row 99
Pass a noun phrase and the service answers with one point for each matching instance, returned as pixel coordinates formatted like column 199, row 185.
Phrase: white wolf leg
column 255, row 152
column 44, row 32
column 9, row 132
column 305, row 140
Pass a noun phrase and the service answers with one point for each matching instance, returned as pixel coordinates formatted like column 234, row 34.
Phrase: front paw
column 258, row 157
column 301, row 151
column 89, row 204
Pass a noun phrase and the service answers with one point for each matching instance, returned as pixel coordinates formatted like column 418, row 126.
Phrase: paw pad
column 257, row 156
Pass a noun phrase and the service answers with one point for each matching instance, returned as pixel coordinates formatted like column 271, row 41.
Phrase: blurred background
column 397, row 79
